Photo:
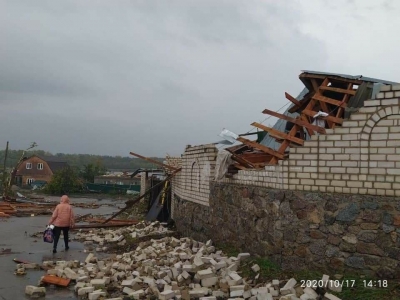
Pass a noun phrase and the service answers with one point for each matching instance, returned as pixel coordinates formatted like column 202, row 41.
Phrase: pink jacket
column 63, row 216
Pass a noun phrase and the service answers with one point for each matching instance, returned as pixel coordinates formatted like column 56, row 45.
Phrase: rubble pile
column 102, row 237
column 171, row 268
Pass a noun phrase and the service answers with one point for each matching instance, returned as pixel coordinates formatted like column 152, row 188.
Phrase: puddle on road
column 35, row 250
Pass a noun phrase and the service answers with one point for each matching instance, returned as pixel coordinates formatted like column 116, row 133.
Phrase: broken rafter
column 338, row 90
column 329, row 100
column 278, row 134
column 153, row 161
column 303, row 103
column 242, row 161
column 295, row 121
column 293, row 100
column 260, row 147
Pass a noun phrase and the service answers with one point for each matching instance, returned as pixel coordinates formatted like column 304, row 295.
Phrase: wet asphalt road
column 12, row 235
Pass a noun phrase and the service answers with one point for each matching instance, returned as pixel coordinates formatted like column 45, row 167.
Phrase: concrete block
column 98, row 282
column 287, row 288
column 137, row 294
column 208, row 273
column 243, row 256
column 34, row 291
column 197, row 293
column 70, row 274
column 208, row 282
column 166, row 295
column 85, row 290
column 89, row 258
column 255, row 268
column 96, row 295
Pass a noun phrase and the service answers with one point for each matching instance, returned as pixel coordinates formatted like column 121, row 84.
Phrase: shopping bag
column 48, row 235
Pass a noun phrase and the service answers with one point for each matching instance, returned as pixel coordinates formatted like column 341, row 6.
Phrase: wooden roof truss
column 327, row 93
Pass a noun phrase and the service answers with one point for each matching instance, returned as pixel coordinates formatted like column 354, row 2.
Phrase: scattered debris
column 168, row 268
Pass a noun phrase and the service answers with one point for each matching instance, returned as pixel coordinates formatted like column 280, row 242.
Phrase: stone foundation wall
column 330, row 232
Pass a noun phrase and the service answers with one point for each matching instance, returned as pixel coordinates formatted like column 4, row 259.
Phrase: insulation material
column 223, row 162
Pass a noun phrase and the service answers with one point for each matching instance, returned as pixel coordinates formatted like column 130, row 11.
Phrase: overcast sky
column 109, row 77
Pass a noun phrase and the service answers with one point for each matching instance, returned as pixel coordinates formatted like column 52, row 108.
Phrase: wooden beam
column 305, row 119
column 329, row 100
column 332, row 77
column 278, row 134
column 338, row 90
column 303, row 103
column 292, row 99
column 345, row 99
column 312, row 113
column 260, row 147
column 241, row 160
column 153, row 161
column 295, row 121
column 315, row 85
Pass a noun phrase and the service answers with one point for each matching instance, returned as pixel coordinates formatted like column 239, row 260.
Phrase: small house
column 37, row 168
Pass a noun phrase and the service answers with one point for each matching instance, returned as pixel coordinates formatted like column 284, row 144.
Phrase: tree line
column 81, row 160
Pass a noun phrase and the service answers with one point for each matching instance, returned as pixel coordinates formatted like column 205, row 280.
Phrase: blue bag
column 48, row 235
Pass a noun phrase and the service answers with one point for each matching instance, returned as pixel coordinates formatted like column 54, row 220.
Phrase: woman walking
column 63, row 219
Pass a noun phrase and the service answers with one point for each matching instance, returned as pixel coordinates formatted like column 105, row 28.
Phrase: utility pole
column 4, row 173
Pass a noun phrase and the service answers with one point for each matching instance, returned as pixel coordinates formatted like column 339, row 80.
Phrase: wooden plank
column 338, row 90
column 332, row 77
column 292, row 99
column 285, row 144
column 329, row 100
column 303, row 103
column 278, row 134
column 312, row 113
column 153, row 161
column 345, row 99
column 260, row 147
column 305, row 119
column 242, row 161
column 295, row 121
column 315, row 85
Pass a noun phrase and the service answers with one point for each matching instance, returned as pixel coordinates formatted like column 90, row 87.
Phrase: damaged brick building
column 318, row 189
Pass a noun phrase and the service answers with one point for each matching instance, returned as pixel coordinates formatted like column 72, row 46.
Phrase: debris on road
column 168, row 268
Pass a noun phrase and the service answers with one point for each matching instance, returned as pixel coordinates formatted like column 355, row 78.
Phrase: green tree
column 65, row 181
column 90, row 171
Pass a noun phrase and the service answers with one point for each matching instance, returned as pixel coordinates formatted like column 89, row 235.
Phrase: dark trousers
column 57, row 233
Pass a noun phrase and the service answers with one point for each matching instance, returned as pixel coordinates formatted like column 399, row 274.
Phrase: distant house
column 37, row 168
column 117, row 178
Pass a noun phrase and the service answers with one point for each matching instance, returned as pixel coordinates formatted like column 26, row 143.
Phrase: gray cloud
column 147, row 76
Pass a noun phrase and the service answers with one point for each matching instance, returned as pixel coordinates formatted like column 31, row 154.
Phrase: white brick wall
column 361, row 157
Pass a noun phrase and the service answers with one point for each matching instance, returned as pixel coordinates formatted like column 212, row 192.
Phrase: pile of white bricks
column 170, row 268
column 102, row 237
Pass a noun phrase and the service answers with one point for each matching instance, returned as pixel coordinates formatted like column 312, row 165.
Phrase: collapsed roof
column 333, row 96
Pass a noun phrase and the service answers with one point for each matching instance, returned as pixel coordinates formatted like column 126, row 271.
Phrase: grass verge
column 354, row 286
